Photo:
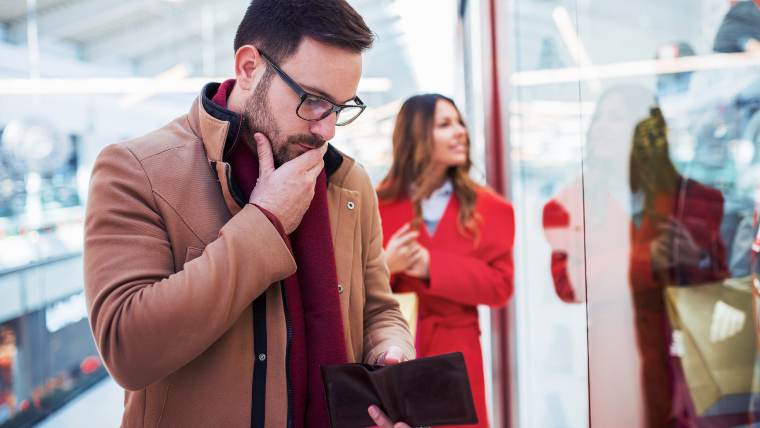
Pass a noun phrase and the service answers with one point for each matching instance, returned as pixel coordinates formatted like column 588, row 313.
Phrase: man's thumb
column 264, row 151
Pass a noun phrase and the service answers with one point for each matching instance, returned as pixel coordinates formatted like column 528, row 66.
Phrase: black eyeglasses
column 315, row 108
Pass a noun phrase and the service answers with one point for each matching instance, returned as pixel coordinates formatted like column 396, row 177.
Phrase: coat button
column 340, row 289
column 351, row 205
column 262, row 357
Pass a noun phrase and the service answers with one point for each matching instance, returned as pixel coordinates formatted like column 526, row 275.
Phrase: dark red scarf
column 313, row 303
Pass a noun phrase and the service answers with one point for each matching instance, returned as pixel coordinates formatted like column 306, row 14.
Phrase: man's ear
column 249, row 66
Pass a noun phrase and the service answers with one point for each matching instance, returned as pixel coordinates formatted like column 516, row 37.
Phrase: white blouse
column 435, row 205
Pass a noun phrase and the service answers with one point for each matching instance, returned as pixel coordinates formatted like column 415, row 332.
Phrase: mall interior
column 625, row 135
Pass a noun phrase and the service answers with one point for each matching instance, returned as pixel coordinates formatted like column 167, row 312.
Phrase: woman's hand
column 401, row 249
column 420, row 266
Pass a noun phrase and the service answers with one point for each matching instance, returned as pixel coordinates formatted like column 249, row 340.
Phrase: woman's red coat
column 462, row 275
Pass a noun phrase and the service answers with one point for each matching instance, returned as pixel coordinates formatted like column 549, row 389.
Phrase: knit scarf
column 311, row 294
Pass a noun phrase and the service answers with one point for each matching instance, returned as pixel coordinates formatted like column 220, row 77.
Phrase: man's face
column 330, row 72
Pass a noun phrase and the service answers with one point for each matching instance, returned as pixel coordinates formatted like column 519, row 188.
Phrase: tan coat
column 172, row 264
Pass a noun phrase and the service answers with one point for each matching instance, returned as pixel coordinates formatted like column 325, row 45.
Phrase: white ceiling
column 149, row 37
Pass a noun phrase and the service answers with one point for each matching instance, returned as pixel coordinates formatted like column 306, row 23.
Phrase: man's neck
column 236, row 100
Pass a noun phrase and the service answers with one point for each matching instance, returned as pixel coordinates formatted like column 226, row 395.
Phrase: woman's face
column 449, row 136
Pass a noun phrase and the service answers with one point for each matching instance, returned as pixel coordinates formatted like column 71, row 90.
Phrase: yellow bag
column 408, row 305
column 714, row 324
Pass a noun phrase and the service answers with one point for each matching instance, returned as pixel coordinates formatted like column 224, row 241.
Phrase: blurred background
column 558, row 96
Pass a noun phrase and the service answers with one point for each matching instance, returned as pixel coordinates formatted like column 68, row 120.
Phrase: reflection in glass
column 587, row 225
column 626, row 237
column 675, row 239
column 653, row 238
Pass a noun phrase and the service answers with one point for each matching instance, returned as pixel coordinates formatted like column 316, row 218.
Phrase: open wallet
column 423, row 392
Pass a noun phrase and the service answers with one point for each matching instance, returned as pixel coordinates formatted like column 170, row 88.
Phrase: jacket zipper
column 287, row 357
column 233, row 193
column 228, row 173
column 241, row 203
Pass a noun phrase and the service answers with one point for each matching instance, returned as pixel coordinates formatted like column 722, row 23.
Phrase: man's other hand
column 382, row 420
column 393, row 355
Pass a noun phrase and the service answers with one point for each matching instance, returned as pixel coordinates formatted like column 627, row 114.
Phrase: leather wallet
column 423, row 392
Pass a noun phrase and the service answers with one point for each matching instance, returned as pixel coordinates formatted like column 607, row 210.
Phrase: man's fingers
column 323, row 149
column 316, row 167
column 264, row 151
column 308, row 161
column 316, row 156
column 379, row 417
column 394, row 355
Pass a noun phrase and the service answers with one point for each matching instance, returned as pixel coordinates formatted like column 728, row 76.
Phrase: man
column 231, row 253
column 740, row 29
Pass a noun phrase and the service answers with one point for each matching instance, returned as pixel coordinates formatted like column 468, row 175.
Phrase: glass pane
column 546, row 138
column 689, row 208
column 650, row 220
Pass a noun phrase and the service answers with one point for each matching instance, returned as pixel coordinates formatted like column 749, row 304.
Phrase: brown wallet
column 423, row 392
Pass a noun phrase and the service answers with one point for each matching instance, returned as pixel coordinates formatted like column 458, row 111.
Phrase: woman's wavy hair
column 410, row 176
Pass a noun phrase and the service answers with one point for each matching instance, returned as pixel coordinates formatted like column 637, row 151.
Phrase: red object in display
column 462, row 276
column 90, row 364
column 556, row 218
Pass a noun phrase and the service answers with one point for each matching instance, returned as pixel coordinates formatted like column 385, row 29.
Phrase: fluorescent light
column 179, row 71
column 121, row 86
column 635, row 68
column 572, row 41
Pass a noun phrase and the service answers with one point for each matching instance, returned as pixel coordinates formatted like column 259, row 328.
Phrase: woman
column 447, row 239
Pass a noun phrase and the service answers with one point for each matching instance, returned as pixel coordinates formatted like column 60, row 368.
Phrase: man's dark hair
column 278, row 26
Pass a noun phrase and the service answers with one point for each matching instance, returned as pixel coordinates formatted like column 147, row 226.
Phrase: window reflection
column 644, row 246
column 587, row 225
column 676, row 241
column 654, row 231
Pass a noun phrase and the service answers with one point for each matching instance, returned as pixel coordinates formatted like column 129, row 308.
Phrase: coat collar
column 219, row 130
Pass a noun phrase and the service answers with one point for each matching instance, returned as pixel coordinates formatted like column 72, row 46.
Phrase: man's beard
column 258, row 117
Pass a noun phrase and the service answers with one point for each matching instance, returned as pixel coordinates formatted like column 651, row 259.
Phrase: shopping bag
column 713, row 324
column 408, row 303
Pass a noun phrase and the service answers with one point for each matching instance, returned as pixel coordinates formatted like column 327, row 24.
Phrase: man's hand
column 382, row 420
column 393, row 355
column 288, row 190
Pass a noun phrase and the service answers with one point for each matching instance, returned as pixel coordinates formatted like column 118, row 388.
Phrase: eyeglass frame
column 303, row 95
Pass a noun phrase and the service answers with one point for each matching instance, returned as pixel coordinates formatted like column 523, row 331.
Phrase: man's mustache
column 311, row 141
